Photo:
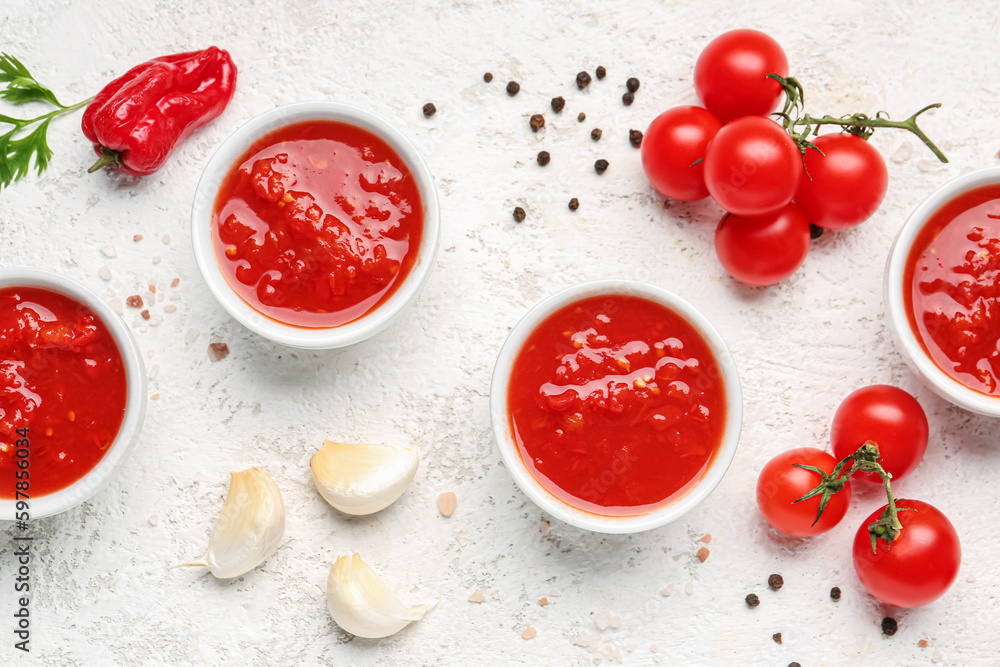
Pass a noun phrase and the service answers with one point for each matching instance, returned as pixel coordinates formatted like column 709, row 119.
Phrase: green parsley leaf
column 21, row 145
column 16, row 153
column 21, row 86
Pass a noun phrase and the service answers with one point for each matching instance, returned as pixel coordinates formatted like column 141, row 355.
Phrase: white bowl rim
column 913, row 353
column 508, row 447
column 219, row 166
column 135, row 402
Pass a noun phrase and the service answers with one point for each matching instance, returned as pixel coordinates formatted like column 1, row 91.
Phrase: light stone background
column 102, row 592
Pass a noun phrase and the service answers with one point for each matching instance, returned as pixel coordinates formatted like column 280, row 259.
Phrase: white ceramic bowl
column 906, row 340
column 223, row 161
column 135, row 398
column 504, row 434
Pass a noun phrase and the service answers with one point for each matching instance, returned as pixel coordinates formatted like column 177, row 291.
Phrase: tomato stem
column 793, row 116
column 864, row 460
column 887, row 526
column 829, row 485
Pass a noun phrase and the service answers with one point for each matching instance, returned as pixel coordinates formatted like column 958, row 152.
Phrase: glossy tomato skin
column 763, row 251
column 752, row 167
column 845, row 185
column 890, row 417
column 730, row 75
column 922, row 562
column 673, row 143
column 781, row 483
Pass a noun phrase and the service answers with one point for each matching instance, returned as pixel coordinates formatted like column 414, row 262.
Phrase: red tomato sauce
column 63, row 379
column 617, row 405
column 952, row 289
column 318, row 224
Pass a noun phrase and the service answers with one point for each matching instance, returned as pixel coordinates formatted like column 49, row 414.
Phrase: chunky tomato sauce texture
column 952, row 289
column 617, row 405
column 318, row 224
column 62, row 378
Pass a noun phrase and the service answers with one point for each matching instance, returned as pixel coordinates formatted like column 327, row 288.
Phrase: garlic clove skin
column 249, row 527
column 362, row 604
column 362, row 478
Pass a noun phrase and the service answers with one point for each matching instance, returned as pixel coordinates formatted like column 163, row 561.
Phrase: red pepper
column 138, row 118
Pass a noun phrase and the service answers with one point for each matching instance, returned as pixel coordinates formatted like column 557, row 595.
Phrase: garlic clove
column 362, row 478
column 249, row 527
column 363, row 605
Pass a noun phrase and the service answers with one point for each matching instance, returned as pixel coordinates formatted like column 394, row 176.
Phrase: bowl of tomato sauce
column 616, row 406
column 72, row 393
column 942, row 291
column 315, row 224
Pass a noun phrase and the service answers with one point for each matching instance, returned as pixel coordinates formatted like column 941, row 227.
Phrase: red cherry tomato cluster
column 771, row 184
column 907, row 553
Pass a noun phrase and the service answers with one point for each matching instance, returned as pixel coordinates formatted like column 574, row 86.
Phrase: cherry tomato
column 891, row 418
column 845, row 185
column 730, row 75
column 675, row 140
column 781, row 483
column 752, row 167
column 763, row 251
column 918, row 566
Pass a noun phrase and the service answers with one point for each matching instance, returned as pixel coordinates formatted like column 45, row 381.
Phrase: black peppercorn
column 775, row 581
column 519, row 214
column 596, row 133
column 537, row 122
column 558, row 104
column 815, row 231
column 752, row 600
column 513, row 88
column 635, row 138
column 601, row 166
column 627, row 99
column 889, row 626
column 543, row 158
column 582, row 117
column 835, row 592
column 582, row 80
column 601, row 72
column 429, row 110
column 574, row 204
column 488, row 77
column 632, row 84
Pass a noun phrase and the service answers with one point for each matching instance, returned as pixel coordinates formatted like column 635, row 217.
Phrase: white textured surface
column 102, row 593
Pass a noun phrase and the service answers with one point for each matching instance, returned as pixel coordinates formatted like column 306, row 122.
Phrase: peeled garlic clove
column 249, row 528
column 363, row 605
column 362, row 478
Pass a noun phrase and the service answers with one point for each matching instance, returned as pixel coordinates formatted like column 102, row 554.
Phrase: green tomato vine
column 800, row 124
column 865, row 460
